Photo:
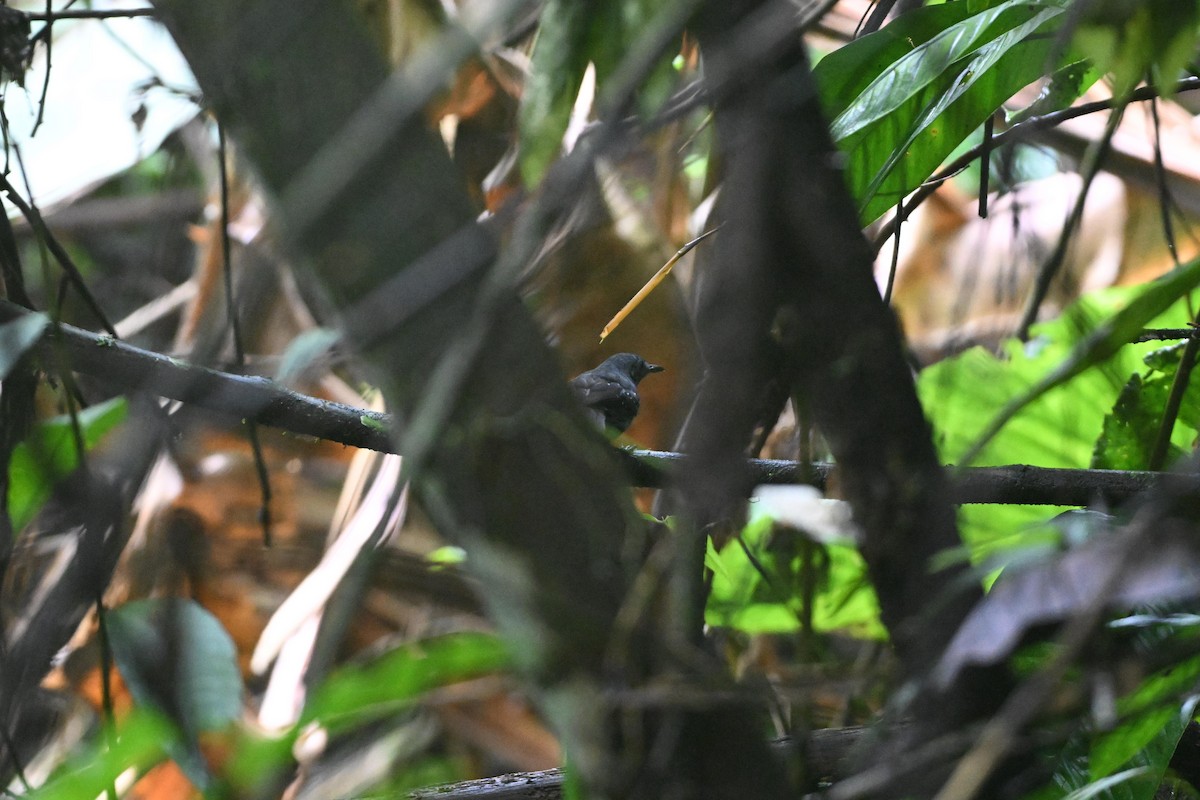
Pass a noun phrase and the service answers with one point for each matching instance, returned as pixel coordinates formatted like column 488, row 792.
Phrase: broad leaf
column 1129, row 432
column 358, row 693
column 1101, row 345
column 904, row 98
column 963, row 394
column 176, row 658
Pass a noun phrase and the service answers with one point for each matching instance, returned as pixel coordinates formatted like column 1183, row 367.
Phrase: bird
column 609, row 392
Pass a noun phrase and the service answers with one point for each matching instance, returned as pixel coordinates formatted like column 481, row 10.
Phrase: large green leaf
column 962, row 395
column 928, row 63
column 1100, row 345
column 175, row 655
column 904, row 98
column 176, row 658
column 846, row 74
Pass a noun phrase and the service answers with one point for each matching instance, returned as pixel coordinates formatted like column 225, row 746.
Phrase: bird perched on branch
column 609, row 392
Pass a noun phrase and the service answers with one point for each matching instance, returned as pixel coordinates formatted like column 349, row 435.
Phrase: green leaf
column 962, row 395
column 939, row 119
column 1166, row 361
column 1065, row 86
column 48, row 455
column 844, row 75
column 1130, row 431
column 927, row 64
column 359, row 693
column 257, row 760
column 17, row 337
column 1100, row 345
column 177, row 659
column 1152, row 723
column 923, row 85
column 1123, row 784
column 1152, row 39
column 140, row 743
column 557, row 64
column 175, row 655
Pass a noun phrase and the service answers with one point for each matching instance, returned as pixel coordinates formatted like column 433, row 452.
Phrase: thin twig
column 113, row 13
column 1092, row 162
column 895, row 263
column 985, row 164
column 49, row 37
column 239, row 349
column 30, row 212
column 1165, row 201
column 109, row 719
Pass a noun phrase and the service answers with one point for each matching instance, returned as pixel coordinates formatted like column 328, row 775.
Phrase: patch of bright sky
column 102, row 77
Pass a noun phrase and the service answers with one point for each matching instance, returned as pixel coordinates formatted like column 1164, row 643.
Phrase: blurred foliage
column 901, row 102
column 1154, row 39
column 571, row 36
column 177, row 659
column 776, row 576
column 140, row 741
column 50, row 453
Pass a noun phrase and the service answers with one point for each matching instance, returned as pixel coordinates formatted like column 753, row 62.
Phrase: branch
column 266, row 402
column 243, row 396
column 112, row 13
column 1016, row 484
column 825, row 754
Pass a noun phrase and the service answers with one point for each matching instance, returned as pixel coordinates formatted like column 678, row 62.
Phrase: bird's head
column 632, row 365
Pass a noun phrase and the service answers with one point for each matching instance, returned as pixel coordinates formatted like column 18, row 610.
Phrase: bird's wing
column 597, row 391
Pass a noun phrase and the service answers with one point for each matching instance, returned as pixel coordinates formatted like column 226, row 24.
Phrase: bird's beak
column 654, row 368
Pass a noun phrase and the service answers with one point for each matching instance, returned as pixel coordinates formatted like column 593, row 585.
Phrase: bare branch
column 256, row 398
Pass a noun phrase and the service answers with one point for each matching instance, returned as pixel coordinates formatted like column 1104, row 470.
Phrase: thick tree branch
column 129, row 368
column 1016, row 484
column 253, row 398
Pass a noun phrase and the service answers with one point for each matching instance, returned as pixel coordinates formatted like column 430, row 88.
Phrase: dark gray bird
column 609, row 392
